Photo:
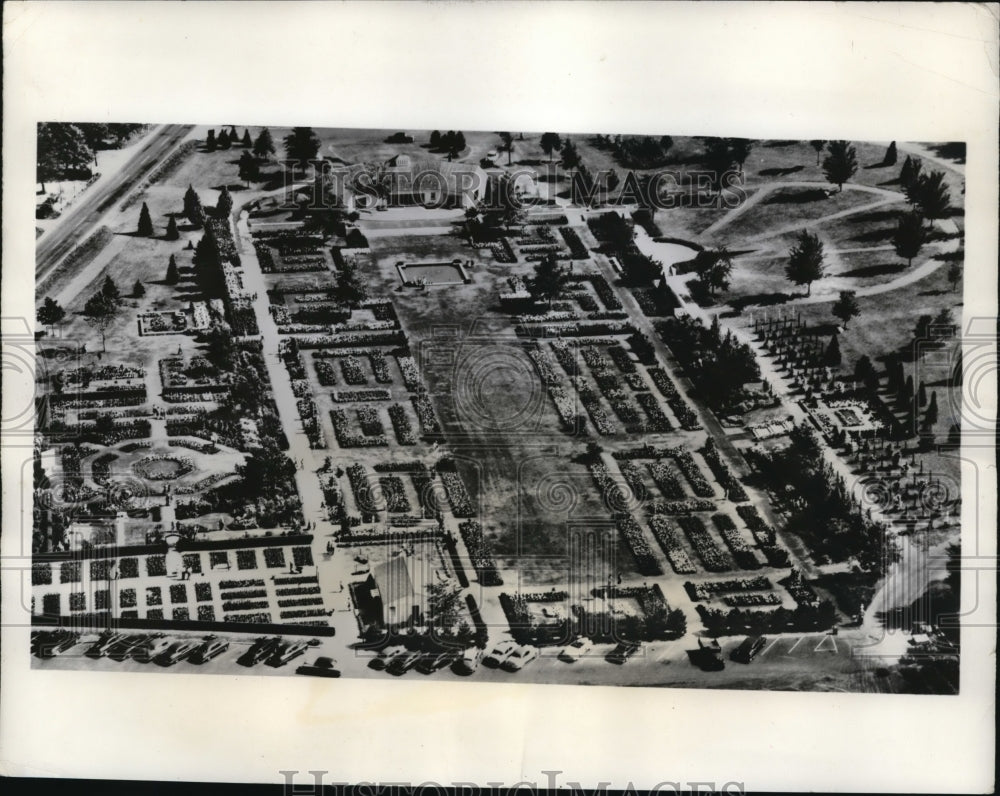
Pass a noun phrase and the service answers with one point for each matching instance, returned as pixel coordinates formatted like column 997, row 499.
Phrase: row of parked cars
column 398, row 660
column 143, row 647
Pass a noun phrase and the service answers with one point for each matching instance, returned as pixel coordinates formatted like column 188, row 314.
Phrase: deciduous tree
column 805, row 260
column 819, row 146
column 550, row 143
column 301, row 146
column 549, row 280
column 263, row 147
column 846, row 307
column 50, row 313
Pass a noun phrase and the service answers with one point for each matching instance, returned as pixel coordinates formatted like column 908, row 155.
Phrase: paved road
column 88, row 212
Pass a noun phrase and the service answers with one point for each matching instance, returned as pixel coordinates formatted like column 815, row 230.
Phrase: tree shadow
column 952, row 150
column 875, row 235
column 777, row 172
column 797, row 196
column 875, row 216
column 760, row 300
column 875, row 270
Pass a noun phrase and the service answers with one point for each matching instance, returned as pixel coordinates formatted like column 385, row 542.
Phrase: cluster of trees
column 714, row 269
column 822, row 509
column 721, row 154
column 927, row 193
column 911, row 399
column 102, row 308
column 452, row 142
column 549, row 280
column 66, row 151
column 719, row 365
column 637, row 151
column 227, row 139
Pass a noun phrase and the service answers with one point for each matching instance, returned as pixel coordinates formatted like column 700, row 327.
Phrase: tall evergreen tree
column 841, row 164
column 138, row 289
column 173, row 275
column 910, row 236
column 172, row 232
column 263, row 147
column 301, row 146
column 246, row 142
column 224, row 142
column 922, row 393
column 549, row 280
column 224, row 206
column 145, row 227
column 210, row 142
column 931, row 416
column 932, row 195
column 890, row 155
column 349, row 290
column 249, row 168
column 909, row 174
column 110, row 290
column 832, row 356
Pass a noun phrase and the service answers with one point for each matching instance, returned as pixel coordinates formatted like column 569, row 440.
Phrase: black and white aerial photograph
column 571, row 366
column 516, row 406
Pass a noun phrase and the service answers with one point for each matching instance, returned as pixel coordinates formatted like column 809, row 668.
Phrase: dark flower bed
column 154, row 613
column 127, row 599
column 577, row 249
column 479, row 553
column 606, row 293
column 670, row 542
column 154, row 595
column 203, row 592
column 734, row 489
column 298, row 590
column 734, row 541
column 218, row 558
column 708, row 551
column 326, row 371
column 646, row 563
column 250, row 619
column 302, row 556
column 274, row 557
column 128, row 568
column 244, row 605
column 100, row 569
column 70, row 572
column 667, row 481
column 193, row 562
column 247, row 594
column 685, row 414
column 762, row 532
column 178, row 593
column 688, row 466
column 240, row 584
column 425, row 414
column 458, row 496
column 52, row 605
column 41, row 574
column 156, row 566
column 206, row 613
column 246, row 559
column 300, row 601
column 181, row 614
column 295, row 580
column 102, row 600
column 347, row 437
column 401, row 425
column 394, row 493
column 77, row 601
column 302, row 612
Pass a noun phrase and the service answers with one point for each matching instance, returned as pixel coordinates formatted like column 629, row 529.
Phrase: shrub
column 246, row 559
column 178, row 593
column 203, row 592
column 69, row 572
column 156, row 566
column 274, row 557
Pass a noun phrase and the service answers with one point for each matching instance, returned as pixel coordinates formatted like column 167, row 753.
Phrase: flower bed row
column 666, row 480
column 656, row 420
column 411, row 376
column 262, row 618
column 244, row 605
column 326, row 371
column 577, row 249
column 401, row 425
column 741, row 551
column 705, row 591
column 425, row 414
column 479, row 553
column 601, row 419
column 354, row 374
column 669, row 541
column 203, row 592
column 752, row 600
column 685, row 414
column 605, row 292
column 346, row 435
column 646, row 563
column 734, row 489
column 300, row 601
column 298, row 590
column 711, row 555
column 245, row 594
column 394, row 493
column 241, row 584
column 458, row 496
column 692, row 472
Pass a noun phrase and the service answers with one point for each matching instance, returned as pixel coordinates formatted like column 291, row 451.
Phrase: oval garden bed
column 163, row 468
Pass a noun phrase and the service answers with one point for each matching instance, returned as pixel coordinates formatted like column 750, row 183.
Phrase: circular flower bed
column 163, row 467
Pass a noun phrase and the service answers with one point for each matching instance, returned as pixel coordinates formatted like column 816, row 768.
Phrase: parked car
column 287, row 652
column 520, row 658
column 104, row 644
column 500, row 652
column 381, row 660
column 177, row 651
column 623, row 652
column 260, row 650
column 153, row 648
column 50, row 644
column 402, row 663
column 431, row 662
column 127, row 646
column 576, row 650
column 709, row 656
column 211, row 648
column 748, row 649
column 321, row 667
column 469, row 660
